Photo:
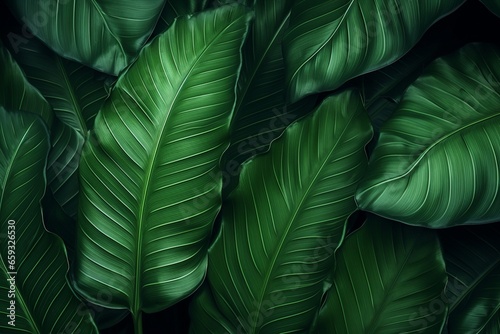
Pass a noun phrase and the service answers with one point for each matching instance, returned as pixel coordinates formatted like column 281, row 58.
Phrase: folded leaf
column 32, row 257
column 437, row 161
column 103, row 34
column 17, row 93
column 472, row 256
column 331, row 41
column 389, row 279
column 149, row 184
column 282, row 224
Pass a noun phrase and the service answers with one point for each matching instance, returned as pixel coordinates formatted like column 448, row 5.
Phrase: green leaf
column 331, row 41
column 103, row 34
column 76, row 93
column 149, row 184
column 206, row 318
column 261, row 113
column 17, row 93
column 493, row 6
column 388, row 278
column 282, row 224
column 174, row 9
column 436, row 163
column 44, row 302
column 472, row 256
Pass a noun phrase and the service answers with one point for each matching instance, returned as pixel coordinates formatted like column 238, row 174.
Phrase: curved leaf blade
column 44, row 302
column 174, row 9
column 75, row 93
column 261, row 113
column 17, row 93
column 493, row 6
column 387, row 278
column 149, row 187
column 283, row 222
column 472, row 256
column 105, row 34
column 435, row 154
column 329, row 42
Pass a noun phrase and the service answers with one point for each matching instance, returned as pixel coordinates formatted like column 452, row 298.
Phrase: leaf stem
column 138, row 322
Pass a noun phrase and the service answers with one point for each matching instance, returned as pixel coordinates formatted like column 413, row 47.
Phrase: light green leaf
column 388, row 278
column 437, row 161
column 331, row 41
column 103, row 34
column 149, row 184
column 17, row 93
column 44, row 302
column 261, row 113
column 493, row 6
column 282, row 224
column 472, row 256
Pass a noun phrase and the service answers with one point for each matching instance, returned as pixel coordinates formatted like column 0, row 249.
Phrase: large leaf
column 388, row 278
column 207, row 319
column 493, row 6
column 32, row 257
column 282, row 224
column 437, row 161
column 331, row 41
column 148, row 192
column 261, row 113
column 17, row 93
column 472, row 256
column 76, row 93
column 103, row 34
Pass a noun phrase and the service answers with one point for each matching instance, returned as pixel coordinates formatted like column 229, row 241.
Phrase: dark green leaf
column 44, row 302
column 389, row 278
column 437, row 161
column 331, row 41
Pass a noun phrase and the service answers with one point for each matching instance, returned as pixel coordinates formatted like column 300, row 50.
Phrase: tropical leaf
column 282, row 224
column 206, row 317
column 17, row 93
column 472, row 256
column 149, row 184
column 331, row 41
column 261, row 113
column 103, row 34
column 76, row 93
column 387, row 280
column 33, row 261
column 493, row 6
column 436, row 163
column 174, row 9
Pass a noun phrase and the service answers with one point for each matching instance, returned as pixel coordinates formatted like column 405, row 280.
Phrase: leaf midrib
column 285, row 234
column 4, row 267
column 427, row 150
column 149, row 173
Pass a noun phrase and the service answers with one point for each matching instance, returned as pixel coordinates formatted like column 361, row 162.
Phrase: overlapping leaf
column 437, row 161
column 76, row 93
column 174, row 9
column 331, row 41
column 17, row 93
column 387, row 279
column 104, row 34
column 261, row 113
column 44, row 302
column 472, row 256
column 282, row 224
column 149, row 183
